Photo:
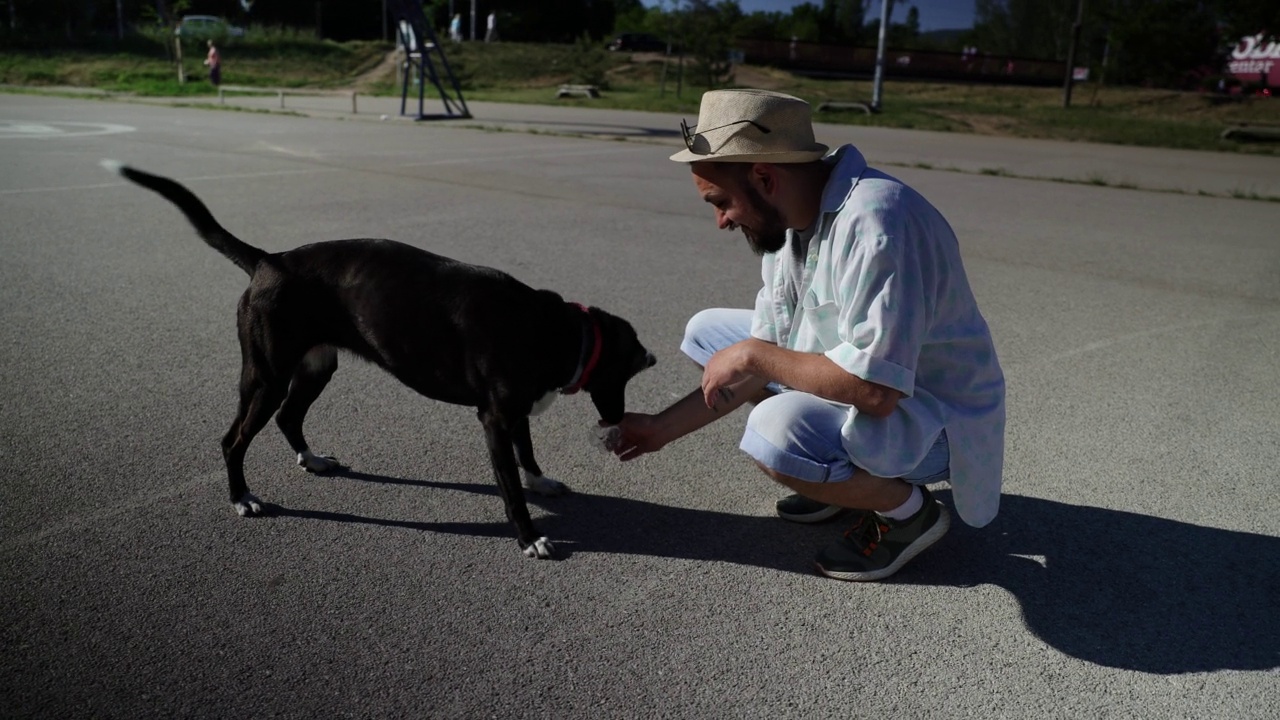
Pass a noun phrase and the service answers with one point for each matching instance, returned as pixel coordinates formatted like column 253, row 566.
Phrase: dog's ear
column 621, row 343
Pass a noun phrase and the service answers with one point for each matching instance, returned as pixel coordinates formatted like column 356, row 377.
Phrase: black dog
column 455, row 332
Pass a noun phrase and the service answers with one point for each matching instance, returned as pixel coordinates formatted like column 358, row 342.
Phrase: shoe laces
column 865, row 535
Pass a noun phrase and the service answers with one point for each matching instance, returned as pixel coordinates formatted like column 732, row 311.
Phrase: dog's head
column 622, row 357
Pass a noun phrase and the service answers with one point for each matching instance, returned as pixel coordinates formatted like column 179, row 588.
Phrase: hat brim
column 816, row 152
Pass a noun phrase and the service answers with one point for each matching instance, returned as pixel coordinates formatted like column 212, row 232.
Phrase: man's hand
column 639, row 435
column 727, row 367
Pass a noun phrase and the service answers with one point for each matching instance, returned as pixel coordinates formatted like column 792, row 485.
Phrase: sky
column 934, row 14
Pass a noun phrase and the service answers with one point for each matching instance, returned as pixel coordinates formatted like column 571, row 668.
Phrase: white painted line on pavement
column 201, row 178
column 275, row 173
column 57, row 129
column 526, row 156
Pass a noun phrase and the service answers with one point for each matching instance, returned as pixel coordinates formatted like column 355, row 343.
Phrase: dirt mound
column 389, row 67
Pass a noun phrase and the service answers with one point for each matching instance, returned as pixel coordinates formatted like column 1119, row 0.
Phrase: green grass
column 145, row 65
column 530, row 73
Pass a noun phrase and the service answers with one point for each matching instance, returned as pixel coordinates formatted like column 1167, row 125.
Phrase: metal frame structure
column 423, row 52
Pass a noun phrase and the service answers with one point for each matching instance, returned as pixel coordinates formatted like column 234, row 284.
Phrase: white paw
column 317, row 463
column 247, row 505
column 542, row 484
column 541, row 549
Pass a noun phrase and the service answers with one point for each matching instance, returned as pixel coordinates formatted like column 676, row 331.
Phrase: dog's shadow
column 1115, row 588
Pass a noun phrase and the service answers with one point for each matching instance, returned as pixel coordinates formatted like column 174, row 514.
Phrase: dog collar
column 592, row 342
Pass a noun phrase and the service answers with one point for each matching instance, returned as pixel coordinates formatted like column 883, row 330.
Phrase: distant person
column 491, row 28
column 214, row 61
column 455, row 28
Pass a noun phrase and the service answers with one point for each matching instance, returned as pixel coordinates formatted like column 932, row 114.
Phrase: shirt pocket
column 819, row 329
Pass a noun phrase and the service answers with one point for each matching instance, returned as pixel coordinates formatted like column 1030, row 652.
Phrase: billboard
column 1256, row 59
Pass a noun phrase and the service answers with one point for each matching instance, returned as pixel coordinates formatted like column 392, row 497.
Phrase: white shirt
column 884, row 295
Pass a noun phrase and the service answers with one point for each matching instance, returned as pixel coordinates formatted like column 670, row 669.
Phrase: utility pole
column 886, row 9
column 119, row 18
column 1071, row 55
column 473, row 20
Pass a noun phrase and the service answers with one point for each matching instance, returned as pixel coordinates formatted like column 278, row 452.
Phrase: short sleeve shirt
column 884, row 295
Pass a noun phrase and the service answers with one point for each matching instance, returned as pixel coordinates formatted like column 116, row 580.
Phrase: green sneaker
column 800, row 509
column 877, row 547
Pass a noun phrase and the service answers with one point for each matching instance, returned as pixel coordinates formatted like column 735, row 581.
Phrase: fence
column 835, row 60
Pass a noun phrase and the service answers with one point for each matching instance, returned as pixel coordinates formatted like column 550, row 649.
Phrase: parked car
column 206, row 26
column 637, row 42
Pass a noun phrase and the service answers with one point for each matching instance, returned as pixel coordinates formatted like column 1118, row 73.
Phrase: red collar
column 586, row 362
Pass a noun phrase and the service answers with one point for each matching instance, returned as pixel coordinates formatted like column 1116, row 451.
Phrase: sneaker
column 800, row 509
column 877, row 547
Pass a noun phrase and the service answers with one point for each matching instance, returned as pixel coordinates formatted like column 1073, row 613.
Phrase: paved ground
column 1134, row 571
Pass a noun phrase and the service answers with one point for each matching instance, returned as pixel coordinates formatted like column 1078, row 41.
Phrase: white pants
column 794, row 433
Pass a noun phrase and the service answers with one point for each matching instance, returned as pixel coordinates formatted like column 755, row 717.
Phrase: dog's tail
column 239, row 252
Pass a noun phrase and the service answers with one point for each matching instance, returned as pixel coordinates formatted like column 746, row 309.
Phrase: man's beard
column 772, row 233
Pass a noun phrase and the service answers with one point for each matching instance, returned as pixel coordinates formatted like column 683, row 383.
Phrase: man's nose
column 722, row 220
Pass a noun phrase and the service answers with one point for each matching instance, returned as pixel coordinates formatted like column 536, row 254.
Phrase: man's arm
column 807, row 372
column 649, row 433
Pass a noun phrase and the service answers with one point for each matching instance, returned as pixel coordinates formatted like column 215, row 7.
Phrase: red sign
column 1256, row 59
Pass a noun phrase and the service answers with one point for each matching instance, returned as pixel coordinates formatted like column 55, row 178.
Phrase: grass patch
column 146, row 65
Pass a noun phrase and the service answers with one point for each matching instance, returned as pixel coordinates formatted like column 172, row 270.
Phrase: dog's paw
column 313, row 463
column 542, row 484
column 541, row 549
column 248, row 506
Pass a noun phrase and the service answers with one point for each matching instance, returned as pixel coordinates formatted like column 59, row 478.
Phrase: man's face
column 739, row 204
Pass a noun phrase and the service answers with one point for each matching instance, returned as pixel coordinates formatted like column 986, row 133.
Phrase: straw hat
column 751, row 126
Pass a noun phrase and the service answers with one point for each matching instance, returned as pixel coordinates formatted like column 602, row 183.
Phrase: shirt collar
column 849, row 166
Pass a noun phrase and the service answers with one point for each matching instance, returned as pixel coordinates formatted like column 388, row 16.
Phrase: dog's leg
column 532, row 474
column 258, row 400
column 504, row 469
column 309, row 380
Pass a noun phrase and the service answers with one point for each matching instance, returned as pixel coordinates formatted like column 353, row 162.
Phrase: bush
column 589, row 63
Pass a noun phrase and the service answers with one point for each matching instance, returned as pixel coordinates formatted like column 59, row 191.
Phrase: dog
column 455, row 332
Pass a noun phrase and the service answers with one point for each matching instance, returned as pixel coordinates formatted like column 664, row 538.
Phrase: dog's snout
column 650, row 360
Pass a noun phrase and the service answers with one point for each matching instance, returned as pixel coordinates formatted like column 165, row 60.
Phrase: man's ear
column 764, row 178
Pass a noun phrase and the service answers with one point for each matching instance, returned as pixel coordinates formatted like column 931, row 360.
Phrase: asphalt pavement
column 1133, row 572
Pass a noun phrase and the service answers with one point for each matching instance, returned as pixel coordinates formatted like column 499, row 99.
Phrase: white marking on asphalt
column 310, row 154
column 529, row 156
column 10, row 129
column 277, row 173
column 187, row 492
column 234, row 176
column 1127, row 337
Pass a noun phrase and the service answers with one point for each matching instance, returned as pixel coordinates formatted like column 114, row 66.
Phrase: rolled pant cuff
column 784, row 463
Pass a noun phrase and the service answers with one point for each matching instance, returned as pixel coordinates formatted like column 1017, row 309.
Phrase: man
column 873, row 372
column 214, row 61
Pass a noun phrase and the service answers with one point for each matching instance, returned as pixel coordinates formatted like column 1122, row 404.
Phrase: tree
column 1159, row 42
column 904, row 35
column 708, row 37
column 805, row 23
column 1242, row 18
column 1024, row 28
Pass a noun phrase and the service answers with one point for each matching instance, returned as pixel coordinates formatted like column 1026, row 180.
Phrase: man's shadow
column 1110, row 587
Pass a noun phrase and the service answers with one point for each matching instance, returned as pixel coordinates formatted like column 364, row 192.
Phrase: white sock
column 908, row 508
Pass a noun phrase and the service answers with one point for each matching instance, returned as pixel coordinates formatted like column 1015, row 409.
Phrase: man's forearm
column 817, row 375
column 691, row 413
